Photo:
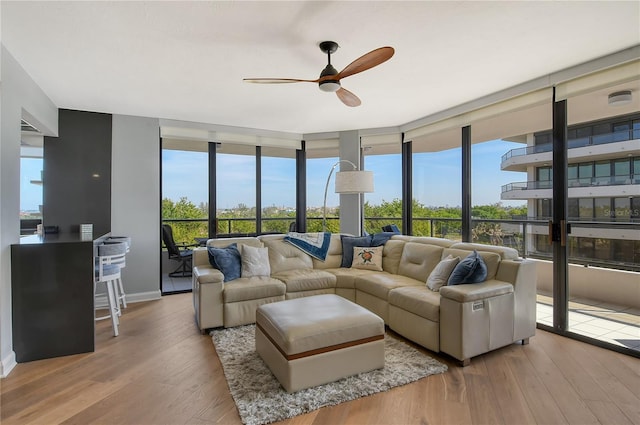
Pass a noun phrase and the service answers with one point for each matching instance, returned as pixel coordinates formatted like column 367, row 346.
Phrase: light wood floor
column 161, row 370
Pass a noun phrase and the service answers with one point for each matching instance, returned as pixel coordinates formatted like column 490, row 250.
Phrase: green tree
column 185, row 231
column 377, row 216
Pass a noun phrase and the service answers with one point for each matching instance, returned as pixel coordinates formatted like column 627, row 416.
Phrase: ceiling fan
column 329, row 79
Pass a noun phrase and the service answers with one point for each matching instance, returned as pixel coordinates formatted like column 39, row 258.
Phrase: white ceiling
column 186, row 60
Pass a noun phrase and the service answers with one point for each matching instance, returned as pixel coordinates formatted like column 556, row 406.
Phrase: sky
column 436, row 178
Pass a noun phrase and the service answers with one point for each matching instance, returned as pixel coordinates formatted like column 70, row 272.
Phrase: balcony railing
column 514, row 233
column 600, row 139
column 626, row 179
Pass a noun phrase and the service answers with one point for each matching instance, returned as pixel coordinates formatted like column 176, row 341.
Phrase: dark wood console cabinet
column 52, row 296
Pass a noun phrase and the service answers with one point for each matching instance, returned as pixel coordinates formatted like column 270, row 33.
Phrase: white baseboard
column 8, row 363
column 137, row 297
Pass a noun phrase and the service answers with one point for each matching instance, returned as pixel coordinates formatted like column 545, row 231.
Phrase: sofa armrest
column 200, row 257
column 476, row 291
column 476, row 318
column 207, row 274
column 208, row 286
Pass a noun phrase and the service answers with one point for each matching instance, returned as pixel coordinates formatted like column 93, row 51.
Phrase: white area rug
column 261, row 400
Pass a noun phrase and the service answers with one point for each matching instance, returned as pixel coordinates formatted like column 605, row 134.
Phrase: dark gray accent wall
column 77, row 172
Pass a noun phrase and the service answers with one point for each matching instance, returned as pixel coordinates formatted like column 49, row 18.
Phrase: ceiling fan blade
column 348, row 98
column 277, row 80
column 367, row 61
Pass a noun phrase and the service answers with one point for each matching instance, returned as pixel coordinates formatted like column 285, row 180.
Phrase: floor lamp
column 347, row 182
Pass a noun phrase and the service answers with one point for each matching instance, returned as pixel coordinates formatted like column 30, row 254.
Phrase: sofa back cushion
column 283, row 256
column 418, row 260
column 491, row 259
column 223, row 242
column 334, row 255
column 446, row 243
column 391, row 255
column 504, row 252
column 200, row 257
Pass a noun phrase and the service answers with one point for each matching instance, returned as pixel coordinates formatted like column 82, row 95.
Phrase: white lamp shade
column 354, row 182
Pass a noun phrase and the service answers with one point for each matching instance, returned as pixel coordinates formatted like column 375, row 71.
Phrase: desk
column 52, row 296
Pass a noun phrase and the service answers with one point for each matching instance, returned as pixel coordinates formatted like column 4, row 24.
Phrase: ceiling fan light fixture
column 620, row 98
column 329, row 85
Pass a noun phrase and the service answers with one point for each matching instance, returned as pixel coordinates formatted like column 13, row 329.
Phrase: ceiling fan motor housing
column 329, row 84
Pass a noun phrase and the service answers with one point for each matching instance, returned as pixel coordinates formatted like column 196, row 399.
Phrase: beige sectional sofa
column 462, row 320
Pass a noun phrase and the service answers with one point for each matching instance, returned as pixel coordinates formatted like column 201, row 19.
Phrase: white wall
column 135, row 202
column 19, row 96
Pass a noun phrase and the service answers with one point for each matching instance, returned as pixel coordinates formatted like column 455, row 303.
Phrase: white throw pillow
column 255, row 261
column 367, row 258
column 440, row 274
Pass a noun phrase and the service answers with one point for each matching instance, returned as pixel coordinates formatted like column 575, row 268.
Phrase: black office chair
column 180, row 253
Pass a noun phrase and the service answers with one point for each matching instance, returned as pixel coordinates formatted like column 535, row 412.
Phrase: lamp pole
column 326, row 188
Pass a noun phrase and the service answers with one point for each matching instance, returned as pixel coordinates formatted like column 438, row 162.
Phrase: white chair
column 121, row 296
column 107, row 272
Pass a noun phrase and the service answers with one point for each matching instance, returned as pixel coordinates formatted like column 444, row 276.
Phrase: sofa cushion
column 255, row 261
column 418, row 300
column 504, row 252
column 418, row 260
column 391, row 255
column 471, row 269
column 227, row 260
column 380, row 283
column 476, row 291
column 440, row 275
column 368, row 258
column 346, row 278
column 306, row 279
column 334, row 255
column 252, row 288
column 284, row 256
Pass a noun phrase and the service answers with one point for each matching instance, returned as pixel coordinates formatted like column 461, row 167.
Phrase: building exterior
column 603, row 179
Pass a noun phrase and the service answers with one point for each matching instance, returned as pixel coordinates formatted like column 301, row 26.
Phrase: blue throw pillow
column 472, row 269
column 227, row 260
column 380, row 239
column 350, row 242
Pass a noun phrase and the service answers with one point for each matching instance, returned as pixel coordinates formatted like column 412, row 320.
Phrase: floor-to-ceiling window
column 236, row 189
column 603, row 243
column 322, row 155
column 383, row 206
column 185, row 206
column 278, row 189
column 437, row 192
column 495, row 221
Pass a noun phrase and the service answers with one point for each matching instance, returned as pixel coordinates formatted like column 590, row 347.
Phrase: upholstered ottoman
column 319, row 339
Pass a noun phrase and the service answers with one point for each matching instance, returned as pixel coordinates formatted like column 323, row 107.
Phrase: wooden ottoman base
column 354, row 344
